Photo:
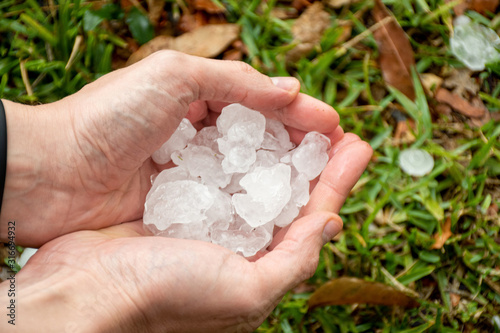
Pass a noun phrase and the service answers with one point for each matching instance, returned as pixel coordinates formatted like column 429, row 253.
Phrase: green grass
column 390, row 218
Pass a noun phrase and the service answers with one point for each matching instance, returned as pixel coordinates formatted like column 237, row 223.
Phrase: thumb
column 295, row 258
column 139, row 107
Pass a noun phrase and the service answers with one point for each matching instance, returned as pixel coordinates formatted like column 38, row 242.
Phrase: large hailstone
column 233, row 183
column 185, row 132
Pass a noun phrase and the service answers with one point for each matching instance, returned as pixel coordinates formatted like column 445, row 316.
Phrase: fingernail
column 331, row 229
column 285, row 82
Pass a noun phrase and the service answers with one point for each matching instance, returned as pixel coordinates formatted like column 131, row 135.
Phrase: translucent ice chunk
column 311, row 156
column 300, row 197
column 266, row 158
column 207, row 137
column 181, row 201
column 276, row 137
column 238, row 159
column 288, row 214
column 243, row 239
column 184, row 132
column 203, row 162
column 474, row 44
column 268, row 191
column 246, row 133
column 300, row 189
column 221, row 211
column 416, row 162
column 167, row 175
column 236, row 113
column 195, row 230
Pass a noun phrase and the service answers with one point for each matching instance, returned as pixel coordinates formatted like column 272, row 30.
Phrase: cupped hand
column 83, row 163
column 128, row 282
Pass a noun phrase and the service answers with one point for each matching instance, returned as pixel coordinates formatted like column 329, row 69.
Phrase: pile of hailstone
column 232, row 184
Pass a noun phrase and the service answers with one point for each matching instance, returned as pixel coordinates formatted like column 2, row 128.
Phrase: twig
column 24, row 75
column 350, row 43
column 398, row 285
column 74, row 52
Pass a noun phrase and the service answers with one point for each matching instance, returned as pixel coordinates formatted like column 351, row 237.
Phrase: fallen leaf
column 155, row 10
column 156, row 44
column 404, row 132
column 396, row 54
column 431, row 82
column 459, row 104
column 442, row 237
column 189, row 22
column 348, row 290
column 454, row 299
column 208, row 6
column 462, row 83
column 284, row 13
column 480, row 6
column 207, row 41
column 443, row 109
column 299, row 5
column 307, row 31
column 338, row 3
column 236, row 52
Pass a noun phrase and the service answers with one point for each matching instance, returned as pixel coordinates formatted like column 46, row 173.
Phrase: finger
column 296, row 136
column 304, row 113
column 295, row 258
column 197, row 111
column 340, row 175
column 127, row 229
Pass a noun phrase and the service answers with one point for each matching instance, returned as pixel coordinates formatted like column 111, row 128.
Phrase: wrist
column 62, row 302
column 35, row 139
column 22, row 165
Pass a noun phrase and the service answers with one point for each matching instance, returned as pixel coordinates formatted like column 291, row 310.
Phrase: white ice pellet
column 185, row 132
column 311, row 156
column 474, row 44
column 181, row 201
column 268, row 191
column 416, row 162
column 233, row 183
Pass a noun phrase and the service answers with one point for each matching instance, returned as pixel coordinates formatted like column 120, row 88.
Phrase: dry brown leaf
column 338, row 3
column 431, row 82
column 207, row 41
column 404, row 132
column 189, row 22
column 476, row 110
column 454, row 299
column 396, row 54
column 348, row 290
column 480, row 6
column 156, row 44
column 284, row 13
column 155, row 10
column 208, row 6
column 307, row 31
column 462, row 83
column 299, row 5
column 442, row 237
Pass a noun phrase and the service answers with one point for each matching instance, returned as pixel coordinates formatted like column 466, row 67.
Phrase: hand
column 83, row 163
column 127, row 282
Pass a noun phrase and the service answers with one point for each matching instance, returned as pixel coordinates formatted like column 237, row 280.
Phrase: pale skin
column 77, row 175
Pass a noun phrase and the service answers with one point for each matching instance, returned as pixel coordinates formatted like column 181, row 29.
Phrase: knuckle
column 245, row 68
